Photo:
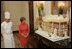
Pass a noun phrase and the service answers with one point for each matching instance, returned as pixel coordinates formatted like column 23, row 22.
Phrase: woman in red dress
column 24, row 32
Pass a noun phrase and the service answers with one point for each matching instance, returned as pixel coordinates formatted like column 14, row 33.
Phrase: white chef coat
column 6, row 31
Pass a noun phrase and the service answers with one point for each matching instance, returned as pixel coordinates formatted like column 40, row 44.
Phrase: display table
column 53, row 42
column 52, row 38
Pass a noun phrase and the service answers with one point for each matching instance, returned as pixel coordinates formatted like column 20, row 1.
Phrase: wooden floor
column 32, row 43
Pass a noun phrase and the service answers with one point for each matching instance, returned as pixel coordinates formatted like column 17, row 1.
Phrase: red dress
column 24, row 29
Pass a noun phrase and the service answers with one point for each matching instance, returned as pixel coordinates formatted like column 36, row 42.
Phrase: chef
column 6, row 31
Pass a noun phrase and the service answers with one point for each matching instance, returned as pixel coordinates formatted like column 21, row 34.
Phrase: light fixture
column 61, row 4
column 40, row 2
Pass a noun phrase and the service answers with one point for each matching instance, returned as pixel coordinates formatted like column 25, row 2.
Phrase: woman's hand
column 24, row 35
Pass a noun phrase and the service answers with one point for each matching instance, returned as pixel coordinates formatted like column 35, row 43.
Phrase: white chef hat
column 7, row 15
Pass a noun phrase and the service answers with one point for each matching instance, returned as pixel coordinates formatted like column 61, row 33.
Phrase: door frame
column 31, row 17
